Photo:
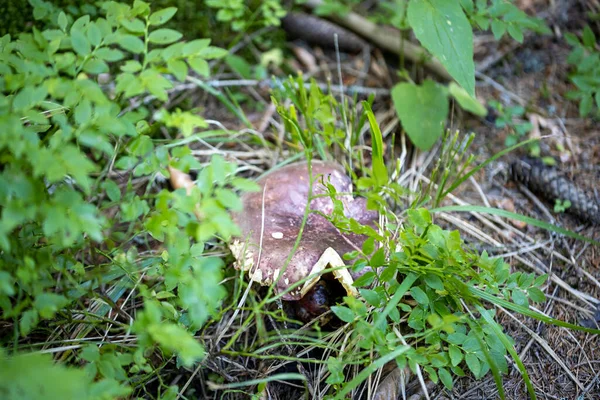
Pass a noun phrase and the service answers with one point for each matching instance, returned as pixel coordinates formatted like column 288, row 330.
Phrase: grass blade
column 518, row 217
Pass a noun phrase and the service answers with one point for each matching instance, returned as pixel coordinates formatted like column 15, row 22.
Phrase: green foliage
column 36, row 377
column 422, row 110
column 585, row 60
column 511, row 118
column 82, row 219
column 443, row 29
column 242, row 15
column 561, row 206
column 501, row 16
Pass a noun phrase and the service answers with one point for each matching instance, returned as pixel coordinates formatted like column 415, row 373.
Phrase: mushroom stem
column 180, row 179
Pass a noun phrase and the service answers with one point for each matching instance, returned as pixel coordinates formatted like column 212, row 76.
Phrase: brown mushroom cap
column 285, row 192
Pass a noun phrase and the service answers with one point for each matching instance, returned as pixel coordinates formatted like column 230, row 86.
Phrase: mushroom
column 270, row 225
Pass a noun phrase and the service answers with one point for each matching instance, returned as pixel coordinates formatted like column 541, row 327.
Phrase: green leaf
column 473, row 363
column 133, row 25
column 47, row 304
column 112, row 190
column 443, row 29
column 456, row 355
column 80, row 43
column 343, row 313
column 161, row 17
column 62, row 21
column 95, row 66
column 515, row 32
column 178, row 68
column 466, row 101
column 588, row 37
column 245, row 185
column 419, row 295
column 200, row 66
column 94, row 35
column 109, row 55
column 211, row 52
column 228, row 199
column 536, row 295
column 83, row 112
column 177, row 340
column 164, row 36
column 434, row 282
column 446, row 378
column 380, row 172
column 52, row 380
column 29, row 319
column 498, row 29
column 371, row 296
column 131, row 43
column 422, row 111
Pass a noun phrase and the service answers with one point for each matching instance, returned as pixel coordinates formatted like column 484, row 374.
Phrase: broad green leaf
column 588, row 37
column 178, row 68
column 178, row 340
column 131, row 43
column 83, row 112
column 466, row 101
column 95, row 66
column 133, row 25
column 343, row 313
column 94, row 35
column 446, row 378
column 109, row 55
column 419, row 295
column 211, row 52
column 371, row 296
column 498, row 28
column 47, row 304
column 456, row 355
column 200, row 66
column 62, row 21
column 422, row 111
column 80, row 43
column 536, row 295
column 515, row 32
column 195, row 46
column 29, row 320
column 162, row 16
column 164, row 36
column 473, row 363
column 443, row 29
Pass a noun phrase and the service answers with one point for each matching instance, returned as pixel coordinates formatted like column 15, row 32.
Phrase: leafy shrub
column 83, row 217
column 585, row 59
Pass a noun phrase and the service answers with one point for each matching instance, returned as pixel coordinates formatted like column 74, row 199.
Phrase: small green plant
column 511, row 118
column 585, row 61
column 425, row 302
column 561, row 206
column 242, row 14
column 502, row 17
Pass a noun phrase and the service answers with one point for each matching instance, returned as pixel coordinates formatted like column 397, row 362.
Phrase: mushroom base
column 326, row 292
